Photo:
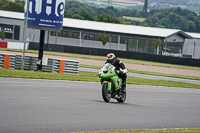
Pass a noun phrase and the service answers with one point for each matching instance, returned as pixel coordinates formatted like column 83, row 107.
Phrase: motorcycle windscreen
column 107, row 67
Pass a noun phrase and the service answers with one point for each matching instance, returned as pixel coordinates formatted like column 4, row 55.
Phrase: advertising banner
column 45, row 14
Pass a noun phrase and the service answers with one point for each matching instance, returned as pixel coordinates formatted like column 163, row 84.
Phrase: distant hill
column 115, row 3
column 193, row 5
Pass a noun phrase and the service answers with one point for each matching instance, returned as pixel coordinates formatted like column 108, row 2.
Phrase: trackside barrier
column 30, row 63
column 65, row 66
column 7, row 61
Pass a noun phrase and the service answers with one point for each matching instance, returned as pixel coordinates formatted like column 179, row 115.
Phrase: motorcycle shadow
column 113, row 102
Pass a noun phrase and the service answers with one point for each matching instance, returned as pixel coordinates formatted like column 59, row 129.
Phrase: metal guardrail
column 10, row 62
column 70, row 66
column 52, row 65
column 1, row 60
column 29, row 62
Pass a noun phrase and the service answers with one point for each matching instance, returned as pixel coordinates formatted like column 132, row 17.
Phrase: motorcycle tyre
column 105, row 96
column 123, row 97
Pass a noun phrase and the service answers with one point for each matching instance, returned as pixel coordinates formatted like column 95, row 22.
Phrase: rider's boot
column 117, row 96
column 123, row 90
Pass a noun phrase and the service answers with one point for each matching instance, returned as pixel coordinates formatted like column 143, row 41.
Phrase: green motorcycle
column 111, row 83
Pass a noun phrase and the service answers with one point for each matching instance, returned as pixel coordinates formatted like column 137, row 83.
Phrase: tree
column 77, row 16
column 104, row 18
column 2, row 34
column 157, row 43
column 104, row 38
column 67, row 15
column 7, row 5
column 86, row 15
column 110, row 19
column 174, row 18
column 145, row 8
column 123, row 21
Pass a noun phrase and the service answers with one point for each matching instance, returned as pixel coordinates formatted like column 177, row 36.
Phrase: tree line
column 7, row 5
column 193, row 5
column 175, row 18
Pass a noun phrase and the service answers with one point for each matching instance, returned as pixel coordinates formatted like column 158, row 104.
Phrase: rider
column 119, row 65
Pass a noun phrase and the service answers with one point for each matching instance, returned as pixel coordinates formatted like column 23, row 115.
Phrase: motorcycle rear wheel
column 123, row 97
column 105, row 93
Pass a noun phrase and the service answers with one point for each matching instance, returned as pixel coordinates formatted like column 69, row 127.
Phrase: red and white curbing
column 13, row 45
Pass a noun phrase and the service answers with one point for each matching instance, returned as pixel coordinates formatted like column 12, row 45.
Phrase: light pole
column 25, row 36
column 194, row 50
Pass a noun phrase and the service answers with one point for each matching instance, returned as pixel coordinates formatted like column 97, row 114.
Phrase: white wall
column 85, row 43
column 191, row 48
column 175, row 38
column 16, row 45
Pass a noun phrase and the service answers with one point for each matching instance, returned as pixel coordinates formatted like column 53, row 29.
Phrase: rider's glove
column 120, row 72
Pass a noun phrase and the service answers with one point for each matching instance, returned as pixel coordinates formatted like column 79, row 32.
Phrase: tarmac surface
column 47, row 106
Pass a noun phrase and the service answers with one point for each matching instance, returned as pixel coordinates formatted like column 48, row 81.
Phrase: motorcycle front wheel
column 105, row 93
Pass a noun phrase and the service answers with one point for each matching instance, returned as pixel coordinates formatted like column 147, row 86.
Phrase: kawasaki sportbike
column 111, row 83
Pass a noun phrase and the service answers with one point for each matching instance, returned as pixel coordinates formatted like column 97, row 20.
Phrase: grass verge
column 151, row 73
column 90, row 77
column 104, row 58
column 181, row 130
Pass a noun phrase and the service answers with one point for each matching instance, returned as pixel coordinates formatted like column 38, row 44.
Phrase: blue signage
column 45, row 14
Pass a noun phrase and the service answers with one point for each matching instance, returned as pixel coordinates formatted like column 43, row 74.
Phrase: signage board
column 44, row 14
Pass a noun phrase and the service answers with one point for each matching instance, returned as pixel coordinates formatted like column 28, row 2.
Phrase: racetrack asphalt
column 46, row 106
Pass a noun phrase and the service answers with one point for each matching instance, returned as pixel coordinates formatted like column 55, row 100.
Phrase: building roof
column 119, row 28
column 108, row 27
column 194, row 35
column 9, row 14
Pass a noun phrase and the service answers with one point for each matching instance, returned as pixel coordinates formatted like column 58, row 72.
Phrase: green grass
column 150, row 73
column 83, row 76
column 165, row 75
column 134, row 18
column 104, row 58
column 181, row 130
column 160, row 64
column 154, row 82
column 89, row 77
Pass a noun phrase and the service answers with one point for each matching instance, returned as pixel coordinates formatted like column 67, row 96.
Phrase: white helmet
column 110, row 58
